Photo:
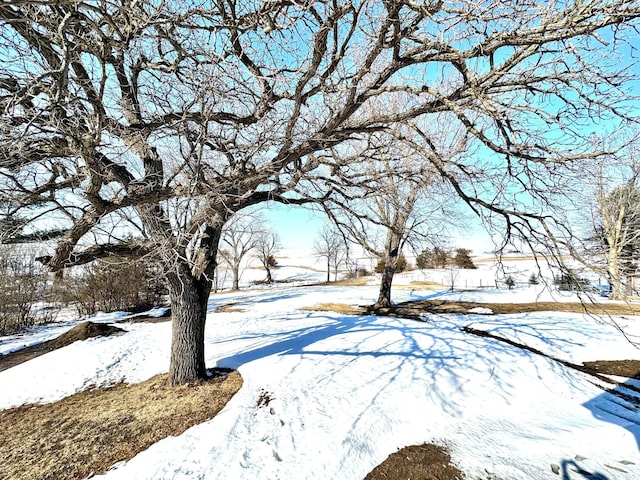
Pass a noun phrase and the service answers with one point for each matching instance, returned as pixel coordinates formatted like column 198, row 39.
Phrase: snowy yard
column 346, row 391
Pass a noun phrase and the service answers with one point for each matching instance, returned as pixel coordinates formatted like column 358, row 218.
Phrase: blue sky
column 298, row 228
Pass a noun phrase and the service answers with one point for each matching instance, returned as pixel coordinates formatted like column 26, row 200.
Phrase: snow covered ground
column 346, row 391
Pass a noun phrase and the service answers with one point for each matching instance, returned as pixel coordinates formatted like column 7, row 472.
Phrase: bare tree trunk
column 328, row 269
column 392, row 252
column 189, row 299
column 612, row 221
column 236, row 277
column 384, row 296
column 269, row 279
column 189, row 288
column 615, row 275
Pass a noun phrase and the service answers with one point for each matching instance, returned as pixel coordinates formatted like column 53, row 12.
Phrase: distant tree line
column 434, row 258
column 441, row 258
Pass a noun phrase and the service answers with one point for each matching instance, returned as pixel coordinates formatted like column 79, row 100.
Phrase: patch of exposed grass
column 352, row 282
column 335, row 307
column 88, row 432
column 417, row 462
column 415, row 309
column 426, row 284
column 442, row 306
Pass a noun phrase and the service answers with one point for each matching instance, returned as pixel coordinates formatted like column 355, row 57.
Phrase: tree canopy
column 142, row 126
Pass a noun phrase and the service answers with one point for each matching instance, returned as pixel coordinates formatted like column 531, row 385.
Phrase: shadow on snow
column 438, row 358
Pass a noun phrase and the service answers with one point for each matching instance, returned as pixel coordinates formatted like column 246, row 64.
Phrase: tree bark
column 390, row 264
column 393, row 245
column 618, row 291
column 612, row 221
column 189, row 299
column 384, row 296
column 236, row 277
column 328, row 269
column 189, row 289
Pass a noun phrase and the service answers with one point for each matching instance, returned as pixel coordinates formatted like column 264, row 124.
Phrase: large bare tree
column 166, row 118
column 393, row 197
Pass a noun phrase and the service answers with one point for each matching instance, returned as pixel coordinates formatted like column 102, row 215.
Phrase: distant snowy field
column 349, row 390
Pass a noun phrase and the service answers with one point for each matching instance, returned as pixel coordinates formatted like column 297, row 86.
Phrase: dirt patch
column 620, row 368
column 86, row 433
column 417, row 462
column 83, row 331
column 144, row 318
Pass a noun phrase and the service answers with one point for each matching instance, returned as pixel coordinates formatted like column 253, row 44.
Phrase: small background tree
column 510, row 282
column 453, row 273
column 619, row 233
column 569, row 281
column 437, row 257
column 462, row 259
column 267, row 244
column 239, row 238
column 611, row 218
column 330, row 245
column 401, row 266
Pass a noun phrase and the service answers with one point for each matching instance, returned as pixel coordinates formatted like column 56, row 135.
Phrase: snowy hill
column 349, row 390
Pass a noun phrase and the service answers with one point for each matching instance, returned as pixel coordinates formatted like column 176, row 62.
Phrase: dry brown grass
column 90, row 431
column 417, row 462
column 343, row 308
column 417, row 308
column 417, row 283
column 620, row 368
column 442, row 306
column 352, row 282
